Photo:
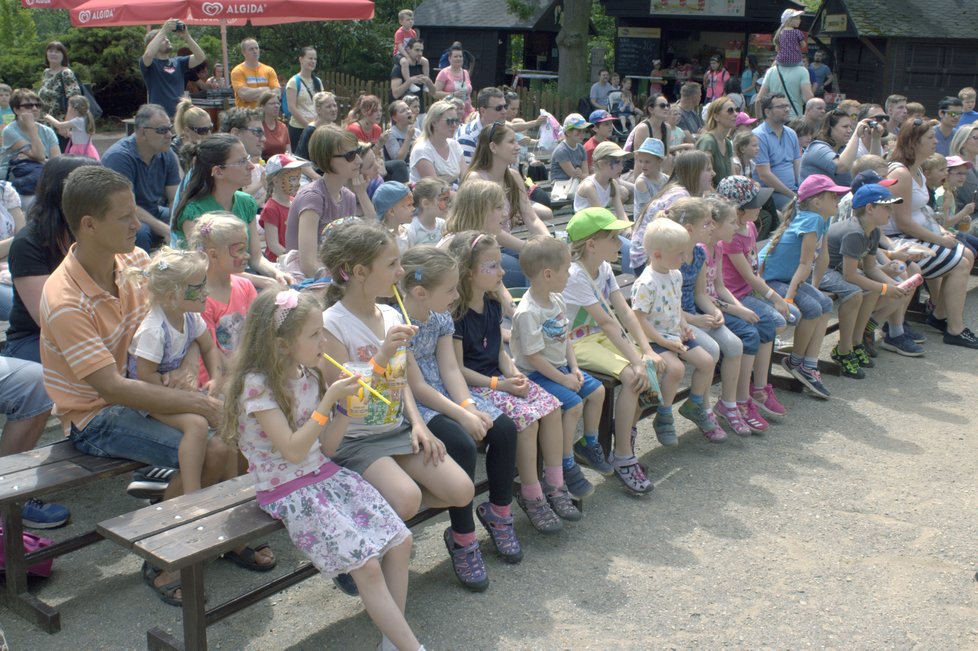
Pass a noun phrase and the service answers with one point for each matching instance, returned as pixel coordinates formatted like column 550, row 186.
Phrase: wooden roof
column 478, row 14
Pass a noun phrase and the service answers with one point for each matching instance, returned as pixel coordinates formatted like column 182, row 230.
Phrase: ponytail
column 790, row 211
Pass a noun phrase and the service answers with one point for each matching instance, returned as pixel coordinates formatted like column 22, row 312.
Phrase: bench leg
column 16, row 596
column 194, row 616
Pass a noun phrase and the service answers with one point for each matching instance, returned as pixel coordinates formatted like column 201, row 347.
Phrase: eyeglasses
column 351, row 155
column 258, row 132
column 201, row 131
column 238, row 163
column 161, row 130
column 452, row 122
column 952, row 114
column 30, row 105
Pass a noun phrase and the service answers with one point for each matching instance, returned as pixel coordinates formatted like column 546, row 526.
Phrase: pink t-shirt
column 226, row 321
column 452, row 84
column 277, row 215
column 711, row 264
column 746, row 244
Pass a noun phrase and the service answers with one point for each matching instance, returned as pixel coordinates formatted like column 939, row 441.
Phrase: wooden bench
column 185, row 533
column 36, row 473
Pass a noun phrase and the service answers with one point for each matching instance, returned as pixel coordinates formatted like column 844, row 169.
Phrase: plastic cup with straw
column 361, row 382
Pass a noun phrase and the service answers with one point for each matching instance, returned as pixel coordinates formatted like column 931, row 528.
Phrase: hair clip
column 342, row 275
column 206, row 229
column 162, row 265
column 286, row 301
column 417, row 275
column 477, row 239
column 682, row 217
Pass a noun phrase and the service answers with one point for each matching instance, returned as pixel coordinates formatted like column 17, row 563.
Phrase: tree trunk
column 573, row 67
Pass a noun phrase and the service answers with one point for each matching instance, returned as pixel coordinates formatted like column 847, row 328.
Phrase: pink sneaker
column 764, row 398
column 733, row 419
column 715, row 433
column 753, row 418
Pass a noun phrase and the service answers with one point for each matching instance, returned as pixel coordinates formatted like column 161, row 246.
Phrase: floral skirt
column 524, row 411
column 340, row 523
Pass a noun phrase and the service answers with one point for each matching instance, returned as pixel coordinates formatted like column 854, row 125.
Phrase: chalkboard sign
column 637, row 47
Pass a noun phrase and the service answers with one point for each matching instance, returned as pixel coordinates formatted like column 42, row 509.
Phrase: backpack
column 317, row 86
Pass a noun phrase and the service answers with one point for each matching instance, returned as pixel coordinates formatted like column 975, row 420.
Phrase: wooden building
column 484, row 28
column 923, row 49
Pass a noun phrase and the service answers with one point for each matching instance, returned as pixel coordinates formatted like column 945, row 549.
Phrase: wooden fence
column 347, row 88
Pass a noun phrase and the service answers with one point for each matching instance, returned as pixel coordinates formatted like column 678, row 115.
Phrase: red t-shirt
column 277, row 215
column 225, row 322
column 276, row 140
column 402, row 35
column 357, row 130
column 589, row 146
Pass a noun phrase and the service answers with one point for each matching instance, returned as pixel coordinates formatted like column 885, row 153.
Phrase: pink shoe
column 733, row 418
column 753, row 418
column 764, row 398
column 715, row 433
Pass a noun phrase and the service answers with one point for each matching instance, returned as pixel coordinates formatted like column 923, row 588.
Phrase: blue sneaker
column 592, row 455
column 577, row 483
column 39, row 515
column 915, row 336
column 902, row 345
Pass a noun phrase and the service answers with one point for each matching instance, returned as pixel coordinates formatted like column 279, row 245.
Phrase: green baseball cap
column 589, row 221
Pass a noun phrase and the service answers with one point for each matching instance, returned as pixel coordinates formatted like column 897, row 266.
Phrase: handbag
column 63, row 95
column 23, row 174
column 32, row 543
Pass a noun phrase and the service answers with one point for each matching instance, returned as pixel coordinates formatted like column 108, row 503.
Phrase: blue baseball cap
column 388, row 195
column 652, row 146
column 873, row 193
column 600, row 116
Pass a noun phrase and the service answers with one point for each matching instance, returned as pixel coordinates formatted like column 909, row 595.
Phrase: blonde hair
column 435, row 112
column 472, row 204
column 867, row 162
column 578, row 247
column 170, row 271
column 687, row 211
column 916, row 109
column 216, row 228
column 466, row 248
column 664, row 235
column 713, row 110
column 933, row 162
column 542, row 252
column 187, row 111
column 81, row 106
column 429, row 188
column 352, row 243
column 425, row 266
column 260, row 351
column 722, row 209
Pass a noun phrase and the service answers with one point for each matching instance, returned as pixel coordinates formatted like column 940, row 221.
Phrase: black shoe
column 150, row 482
column 966, row 339
column 848, row 363
column 937, row 324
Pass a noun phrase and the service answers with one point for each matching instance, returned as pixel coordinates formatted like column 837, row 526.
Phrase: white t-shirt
column 79, row 131
column 660, row 296
column 539, row 329
column 447, row 169
column 149, row 339
column 9, row 199
column 417, row 233
column 603, row 192
column 580, row 294
column 362, row 344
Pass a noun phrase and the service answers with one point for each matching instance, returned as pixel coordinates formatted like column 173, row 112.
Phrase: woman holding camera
column 835, row 148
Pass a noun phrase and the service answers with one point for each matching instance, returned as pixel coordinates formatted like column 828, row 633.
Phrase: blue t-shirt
column 782, row 263
column 818, row 73
column 780, row 153
column 967, row 118
column 943, row 144
column 691, row 271
column 149, row 182
column 165, row 81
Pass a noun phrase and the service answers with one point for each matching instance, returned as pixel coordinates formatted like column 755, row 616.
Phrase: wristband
column 466, row 403
column 322, row 419
column 789, row 301
column 493, row 382
column 883, row 289
column 770, row 293
column 380, row 370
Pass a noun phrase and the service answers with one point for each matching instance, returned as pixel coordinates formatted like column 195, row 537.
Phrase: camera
column 873, row 124
column 180, row 27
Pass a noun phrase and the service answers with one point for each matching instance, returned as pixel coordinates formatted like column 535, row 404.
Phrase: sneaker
column 501, row 532
column 665, row 429
column 42, row 515
column 811, row 379
column 937, row 324
column 915, row 336
column 577, row 483
column 766, row 401
column 541, row 516
column 698, row 414
column 346, row 584
column 630, row 473
column 848, row 364
column 902, row 345
column 863, row 357
column 732, row 418
column 561, row 502
column 150, row 482
column 966, row 339
column 753, row 418
column 467, row 562
column 715, row 434
column 869, row 342
column 592, row 455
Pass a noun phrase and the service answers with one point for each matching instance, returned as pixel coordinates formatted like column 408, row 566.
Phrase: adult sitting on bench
column 88, row 317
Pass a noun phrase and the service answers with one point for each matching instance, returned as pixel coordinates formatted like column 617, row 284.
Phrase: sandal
column 164, row 592
column 247, row 559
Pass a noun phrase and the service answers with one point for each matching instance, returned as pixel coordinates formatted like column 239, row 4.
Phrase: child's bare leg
column 526, row 456
column 593, row 406
column 848, row 311
column 818, row 334
column 703, row 365
column 569, row 420
column 762, row 362
column 625, row 407
column 400, row 491
column 669, row 381
column 553, row 436
column 870, row 301
column 192, row 447
column 381, row 606
column 731, row 368
column 444, row 485
column 745, row 366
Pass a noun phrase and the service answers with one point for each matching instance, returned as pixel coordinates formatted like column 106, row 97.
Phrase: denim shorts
column 568, row 399
column 124, row 433
column 22, row 393
column 811, row 302
column 834, row 282
column 690, row 344
column 27, row 348
column 771, row 322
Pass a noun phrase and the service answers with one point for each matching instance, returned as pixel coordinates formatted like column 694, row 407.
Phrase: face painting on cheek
column 489, row 268
column 196, row 293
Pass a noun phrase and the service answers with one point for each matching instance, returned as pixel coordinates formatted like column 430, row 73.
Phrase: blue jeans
column 22, row 393
column 26, row 348
column 144, row 236
column 6, row 301
column 811, row 302
column 513, row 276
column 123, row 433
column 770, row 319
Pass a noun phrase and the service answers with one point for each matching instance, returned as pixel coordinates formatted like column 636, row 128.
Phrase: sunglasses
column 161, row 130
column 953, row 114
column 880, row 118
column 662, row 106
column 498, row 109
column 452, row 122
column 201, row 131
column 351, row 155
column 30, row 105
